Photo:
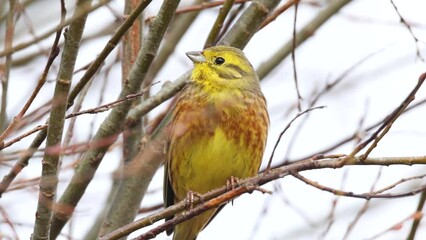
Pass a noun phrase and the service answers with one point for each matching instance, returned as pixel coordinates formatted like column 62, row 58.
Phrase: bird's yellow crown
column 223, row 68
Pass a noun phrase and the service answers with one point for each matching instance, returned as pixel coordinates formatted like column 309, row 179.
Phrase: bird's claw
column 190, row 198
column 232, row 183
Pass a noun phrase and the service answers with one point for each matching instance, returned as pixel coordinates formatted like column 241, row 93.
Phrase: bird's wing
column 168, row 193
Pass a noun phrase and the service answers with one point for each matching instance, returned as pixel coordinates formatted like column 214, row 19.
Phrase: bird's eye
column 219, row 60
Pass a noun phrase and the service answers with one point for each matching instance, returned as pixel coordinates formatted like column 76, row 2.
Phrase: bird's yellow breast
column 209, row 163
column 210, row 143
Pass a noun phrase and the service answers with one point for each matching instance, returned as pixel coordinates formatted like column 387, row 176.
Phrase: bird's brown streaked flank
column 218, row 130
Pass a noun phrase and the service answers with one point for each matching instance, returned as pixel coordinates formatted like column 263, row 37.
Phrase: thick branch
column 50, row 163
column 122, row 202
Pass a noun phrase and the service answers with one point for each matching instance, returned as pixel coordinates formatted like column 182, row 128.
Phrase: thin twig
column 335, row 201
column 398, row 225
column 284, row 130
column 29, row 25
column 354, row 135
column 95, row 110
column 363, row 208
column 54, row 52
column 9, row 222
column 47, row 34
column 151, row 208
column 278, row 12
column 388, row 121
column 316, row 97
column 416, row 40
column 293, row 59
column 5, row 68
column 416, row 220
column 367, row 196
column 198, row 7
column 112, row 104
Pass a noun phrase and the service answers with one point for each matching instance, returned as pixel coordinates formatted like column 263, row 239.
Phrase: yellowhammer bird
column 218, row 130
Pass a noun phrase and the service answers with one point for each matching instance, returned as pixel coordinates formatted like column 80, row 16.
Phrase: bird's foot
column 232, row 183
column 190, row 198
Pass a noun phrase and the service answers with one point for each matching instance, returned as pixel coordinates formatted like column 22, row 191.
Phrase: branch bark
column 223, row 195
column 50, row 163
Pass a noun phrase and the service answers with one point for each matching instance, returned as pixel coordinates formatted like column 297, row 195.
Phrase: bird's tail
column 189, row 230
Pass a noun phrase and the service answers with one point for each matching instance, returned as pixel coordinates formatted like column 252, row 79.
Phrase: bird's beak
column 196, row 56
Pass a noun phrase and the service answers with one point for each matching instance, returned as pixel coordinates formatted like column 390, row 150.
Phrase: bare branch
column 45, row 35
column 214, row 32
column 222, row 195
column 279, row 11
column 54, row 52
column 388, row 121
column 398, row 225
column 285, row 129
column 416, row 40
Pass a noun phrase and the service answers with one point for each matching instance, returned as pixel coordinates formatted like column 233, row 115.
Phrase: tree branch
column 214, row 32
column 50, row 163
column 81, row 13
column 223, row 195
